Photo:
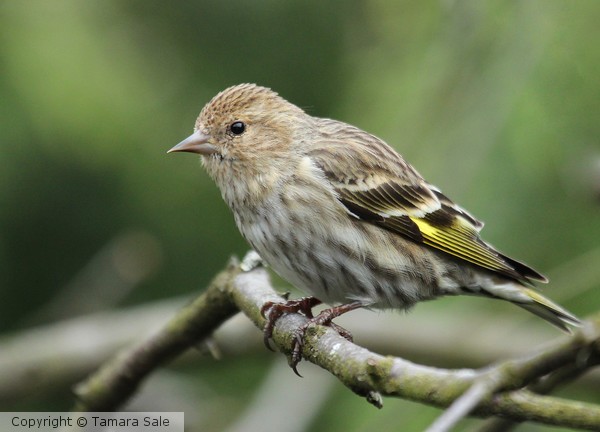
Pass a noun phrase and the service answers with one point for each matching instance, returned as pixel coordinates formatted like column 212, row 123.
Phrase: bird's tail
column 537, row 304
column 548, row 310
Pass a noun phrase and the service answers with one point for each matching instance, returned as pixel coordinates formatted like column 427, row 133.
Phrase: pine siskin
column 341, row 215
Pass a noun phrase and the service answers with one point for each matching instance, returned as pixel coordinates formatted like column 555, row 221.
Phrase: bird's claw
column 272, row 311
column 341, row 331
column 297, row 345
column 271, row 316
column 324, row 318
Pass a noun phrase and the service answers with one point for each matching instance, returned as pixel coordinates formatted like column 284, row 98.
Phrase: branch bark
column 117, row 380
column 362, row 371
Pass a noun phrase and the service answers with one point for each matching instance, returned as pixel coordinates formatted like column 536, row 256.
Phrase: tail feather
column 548, row 310
column 535, row 303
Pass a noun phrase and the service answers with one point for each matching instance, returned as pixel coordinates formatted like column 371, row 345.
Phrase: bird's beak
column 195, row 143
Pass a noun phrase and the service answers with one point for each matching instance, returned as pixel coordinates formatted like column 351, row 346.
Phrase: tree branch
column 545, row 385
column 364, row 372
column 116, row 381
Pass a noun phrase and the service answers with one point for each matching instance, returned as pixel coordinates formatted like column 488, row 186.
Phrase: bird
column 343, row 217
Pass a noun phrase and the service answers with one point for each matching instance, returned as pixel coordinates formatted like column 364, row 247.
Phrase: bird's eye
column 237, row 128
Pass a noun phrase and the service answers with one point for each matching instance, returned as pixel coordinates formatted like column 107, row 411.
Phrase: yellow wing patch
column 461, row 242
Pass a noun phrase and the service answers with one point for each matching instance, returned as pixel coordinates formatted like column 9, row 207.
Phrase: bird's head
column 243, row 123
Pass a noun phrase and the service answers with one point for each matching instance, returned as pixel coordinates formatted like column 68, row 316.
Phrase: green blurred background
column 496, row 102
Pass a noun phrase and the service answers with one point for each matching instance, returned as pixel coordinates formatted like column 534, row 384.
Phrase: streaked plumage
column 342, row 216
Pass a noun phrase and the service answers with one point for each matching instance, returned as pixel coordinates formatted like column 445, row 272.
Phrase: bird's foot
column 273, row 311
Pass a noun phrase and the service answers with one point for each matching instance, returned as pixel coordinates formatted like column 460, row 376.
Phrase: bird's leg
column 273, row 311
column 324, row 318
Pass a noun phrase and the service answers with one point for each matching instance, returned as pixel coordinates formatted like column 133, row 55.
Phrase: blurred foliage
column 496, row 102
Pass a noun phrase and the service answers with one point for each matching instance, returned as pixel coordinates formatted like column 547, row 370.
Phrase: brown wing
column 378, row 186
